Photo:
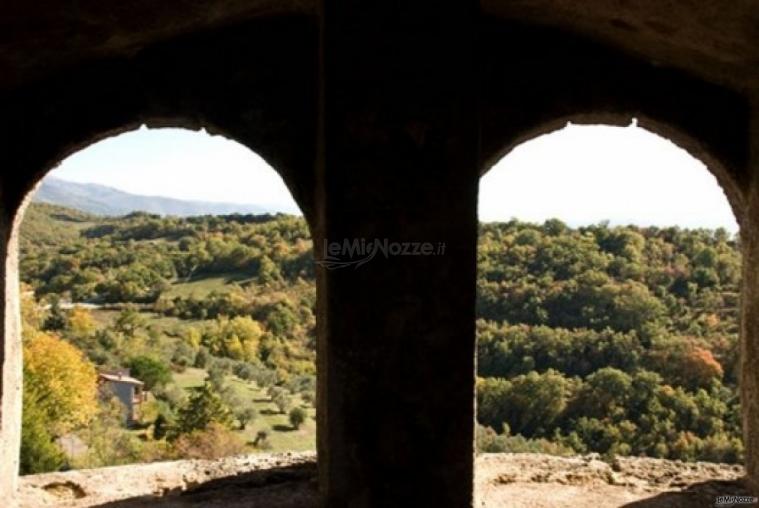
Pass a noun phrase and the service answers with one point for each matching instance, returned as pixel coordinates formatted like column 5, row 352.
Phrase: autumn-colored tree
column 236, row 338
column 699, row 367
column 80, row 322
column 61, row 381
column 31, row 312
column 688, row 364
column 193, row 338
column 599, row 338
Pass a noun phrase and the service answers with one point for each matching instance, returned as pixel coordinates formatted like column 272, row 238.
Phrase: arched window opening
column 607, row 313
column 167, row 306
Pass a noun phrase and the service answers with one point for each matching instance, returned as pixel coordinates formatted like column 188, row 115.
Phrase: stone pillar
column 10, row 359
column 397, row 162
column 750, row 310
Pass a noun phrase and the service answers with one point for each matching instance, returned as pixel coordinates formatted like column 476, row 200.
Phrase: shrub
column 297, row 416
column 213, row 442
column 262, row 440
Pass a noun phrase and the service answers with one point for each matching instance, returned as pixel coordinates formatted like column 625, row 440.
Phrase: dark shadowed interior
column 381, row 117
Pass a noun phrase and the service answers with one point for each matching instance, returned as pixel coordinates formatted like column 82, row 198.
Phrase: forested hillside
column 615, row 340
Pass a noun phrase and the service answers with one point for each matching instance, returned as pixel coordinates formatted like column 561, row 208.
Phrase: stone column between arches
column 399, row 164
column 750, row 309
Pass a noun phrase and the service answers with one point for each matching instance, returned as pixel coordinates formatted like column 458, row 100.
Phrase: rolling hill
column 102, row 200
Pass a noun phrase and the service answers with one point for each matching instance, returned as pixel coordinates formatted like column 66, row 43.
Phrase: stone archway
column 740, row 203
column 393, row 111
column 11, row 399
column 558, row 76
column 583, row 174
column 267, row 109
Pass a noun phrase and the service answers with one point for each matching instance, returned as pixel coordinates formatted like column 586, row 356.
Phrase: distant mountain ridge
column 103, row 200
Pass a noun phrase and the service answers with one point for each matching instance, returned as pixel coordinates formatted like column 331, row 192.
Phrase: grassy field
column 202, row 286
column 282, row 436
column 190, row 378
column 104, row 318
column 165, row 325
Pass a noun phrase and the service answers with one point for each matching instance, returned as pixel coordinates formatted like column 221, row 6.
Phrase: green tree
column 280, row 398
column 108, row 442
column 56, row 319
column 161, row 426
column 204, row 407
column 151, row 371
column 245, row 415
column 129, row 321
column 297, row 416
column 39, row 454
column 202, row 358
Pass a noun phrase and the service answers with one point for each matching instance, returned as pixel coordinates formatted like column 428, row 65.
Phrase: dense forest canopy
column 614, row 340
column 619, row 340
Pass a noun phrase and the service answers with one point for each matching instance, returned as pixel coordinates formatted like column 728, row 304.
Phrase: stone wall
column 380, row 118
column 523, row 480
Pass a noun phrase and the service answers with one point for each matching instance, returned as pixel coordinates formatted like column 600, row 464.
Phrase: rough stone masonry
column 381, row 116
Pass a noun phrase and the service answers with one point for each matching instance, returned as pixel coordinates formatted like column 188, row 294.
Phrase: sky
column 579, row 174
column 181, row 164
column 586, row 174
